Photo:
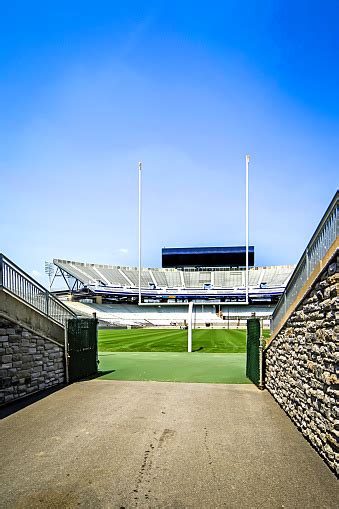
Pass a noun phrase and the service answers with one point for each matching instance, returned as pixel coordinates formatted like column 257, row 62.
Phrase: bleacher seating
column 247, row 311
column 228, row 278
column 132, row 315
column 129, row 314
column 254, row 276
column 72, row 269
column 276, row 275
column 113, row 275
column 171, row 278
column 196, row 279
column 133, row 276
column 160, row 277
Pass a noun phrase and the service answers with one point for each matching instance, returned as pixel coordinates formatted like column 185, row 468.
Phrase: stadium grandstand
column 112, row 292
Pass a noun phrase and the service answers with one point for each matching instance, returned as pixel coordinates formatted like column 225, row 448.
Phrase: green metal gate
column 81, row 348
column 254, row 362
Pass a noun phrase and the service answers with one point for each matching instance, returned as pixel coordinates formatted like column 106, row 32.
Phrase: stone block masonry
column 302, row 366
column 28, row 362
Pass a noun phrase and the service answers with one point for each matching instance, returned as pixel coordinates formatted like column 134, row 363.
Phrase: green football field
column 172, row 340
column 219, row 355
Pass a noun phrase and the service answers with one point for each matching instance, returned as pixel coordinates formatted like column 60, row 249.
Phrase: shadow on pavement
column 15, row 406
column 97, row 375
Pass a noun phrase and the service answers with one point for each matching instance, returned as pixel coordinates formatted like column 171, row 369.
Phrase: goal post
column 189, row 330
column 191, row 304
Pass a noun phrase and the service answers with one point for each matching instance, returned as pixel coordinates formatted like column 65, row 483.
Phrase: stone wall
column 28, row 362
column 301, row 364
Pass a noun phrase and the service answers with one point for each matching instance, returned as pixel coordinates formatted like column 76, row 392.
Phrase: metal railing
column 20, row 284
column 321, row 241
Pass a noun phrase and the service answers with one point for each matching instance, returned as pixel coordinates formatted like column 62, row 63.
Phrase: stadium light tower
column 140, row 172
column 246, row 232
column 49, row 271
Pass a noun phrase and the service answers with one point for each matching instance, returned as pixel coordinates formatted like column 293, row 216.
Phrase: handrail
column 21, row 285
column 321, row 241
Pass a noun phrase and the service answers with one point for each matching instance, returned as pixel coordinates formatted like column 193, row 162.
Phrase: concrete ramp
column 159, row 445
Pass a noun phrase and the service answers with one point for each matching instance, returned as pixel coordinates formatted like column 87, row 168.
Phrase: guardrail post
column 96, row 327
column 47, row 303
column 261, row 355
column 307, row 264
column 1, row 270
column 66, row 353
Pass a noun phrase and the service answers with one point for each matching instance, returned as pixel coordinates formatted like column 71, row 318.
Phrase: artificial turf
column 161, row 355
column 172, row 340
column 174, row 367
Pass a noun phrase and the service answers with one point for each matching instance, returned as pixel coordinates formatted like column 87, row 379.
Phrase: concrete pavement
column 115, row 444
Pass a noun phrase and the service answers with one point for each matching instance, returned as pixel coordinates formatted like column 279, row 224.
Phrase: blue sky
column 87, row 89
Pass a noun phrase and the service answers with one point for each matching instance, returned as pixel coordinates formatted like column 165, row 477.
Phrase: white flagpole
column 246, row 233
column 140, row 168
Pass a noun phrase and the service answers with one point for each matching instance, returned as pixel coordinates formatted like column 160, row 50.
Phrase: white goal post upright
column 140, row 303
column 191, row 304
column 140, row 169
column 189, row 331
column 246, row 228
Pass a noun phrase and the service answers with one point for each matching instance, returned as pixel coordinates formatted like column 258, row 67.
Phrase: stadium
column 216, row 287
column 169, row 305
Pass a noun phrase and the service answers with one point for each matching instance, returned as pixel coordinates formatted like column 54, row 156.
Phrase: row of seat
column 129, row 314
column 172, row 278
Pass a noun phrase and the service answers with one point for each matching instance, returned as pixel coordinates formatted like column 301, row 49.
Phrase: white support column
column 102, row 277
column 153, row 278
column 140, row 168
column 189, row 335
column 126, row 277
column 181, row 274
column 261, row 277
column 243, row 278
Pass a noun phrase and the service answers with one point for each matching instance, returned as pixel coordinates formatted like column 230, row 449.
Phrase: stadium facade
column 120, row 284
column 216, row 291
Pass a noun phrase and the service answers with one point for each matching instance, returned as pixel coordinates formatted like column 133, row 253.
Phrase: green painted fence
column 82, row 348
column 254, row 361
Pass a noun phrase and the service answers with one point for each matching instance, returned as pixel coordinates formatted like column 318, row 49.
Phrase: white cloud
column 35, row 273
column 123, row 250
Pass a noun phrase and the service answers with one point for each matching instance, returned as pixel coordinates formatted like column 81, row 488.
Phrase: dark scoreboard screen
column 207, row 257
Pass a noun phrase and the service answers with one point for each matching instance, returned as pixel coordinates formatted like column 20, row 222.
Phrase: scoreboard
column 207, row 257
